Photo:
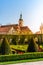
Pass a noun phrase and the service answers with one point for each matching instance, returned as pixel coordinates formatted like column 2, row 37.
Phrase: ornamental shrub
column 5, row 47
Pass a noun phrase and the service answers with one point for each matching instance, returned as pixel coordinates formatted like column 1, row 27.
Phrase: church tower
column 20, row 21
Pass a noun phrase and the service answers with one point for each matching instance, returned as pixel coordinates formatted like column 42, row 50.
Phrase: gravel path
column 29, row 63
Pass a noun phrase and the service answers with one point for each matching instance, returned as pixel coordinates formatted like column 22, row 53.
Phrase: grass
column 19, row 47
column 22, row 61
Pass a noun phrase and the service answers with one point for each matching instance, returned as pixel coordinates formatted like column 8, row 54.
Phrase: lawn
column 22, row 61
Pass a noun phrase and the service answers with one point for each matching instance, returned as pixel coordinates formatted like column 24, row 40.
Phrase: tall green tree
column 32, row 45
column 5, row 47
column 22, row 39
column 15, row 39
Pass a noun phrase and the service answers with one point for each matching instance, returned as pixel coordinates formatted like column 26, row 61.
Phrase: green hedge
column 39, row 36
column 32, row 55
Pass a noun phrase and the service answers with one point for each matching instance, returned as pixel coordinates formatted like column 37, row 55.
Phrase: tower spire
column 20, row 20
column 21, row 16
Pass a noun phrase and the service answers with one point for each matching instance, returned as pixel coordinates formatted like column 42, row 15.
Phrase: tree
column 32, row 46
column 15, row 39
column 22, row 39
column 5, row 47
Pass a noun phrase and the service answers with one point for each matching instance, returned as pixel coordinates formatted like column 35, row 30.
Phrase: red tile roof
column 4, row 29
column 25, row 28
column 10, row 25
column 37, row 32
column 15, row 26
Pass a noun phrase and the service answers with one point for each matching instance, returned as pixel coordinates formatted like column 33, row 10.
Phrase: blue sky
column 32, row 12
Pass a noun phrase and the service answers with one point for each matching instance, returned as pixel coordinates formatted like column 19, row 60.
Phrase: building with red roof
column 15, row 28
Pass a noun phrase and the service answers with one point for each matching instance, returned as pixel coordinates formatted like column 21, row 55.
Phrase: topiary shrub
column 5, row 47
column 32, row 47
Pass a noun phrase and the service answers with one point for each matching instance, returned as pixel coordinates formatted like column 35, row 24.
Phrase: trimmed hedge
column 32, row 55
column 39, row 36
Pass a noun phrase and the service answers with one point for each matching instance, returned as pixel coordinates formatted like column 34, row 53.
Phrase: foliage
column 32, row 46
column 15, row 39
column 5, row 47
column 19, row 47
column 16, row 57
column 41, row 46
column 22, row 39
